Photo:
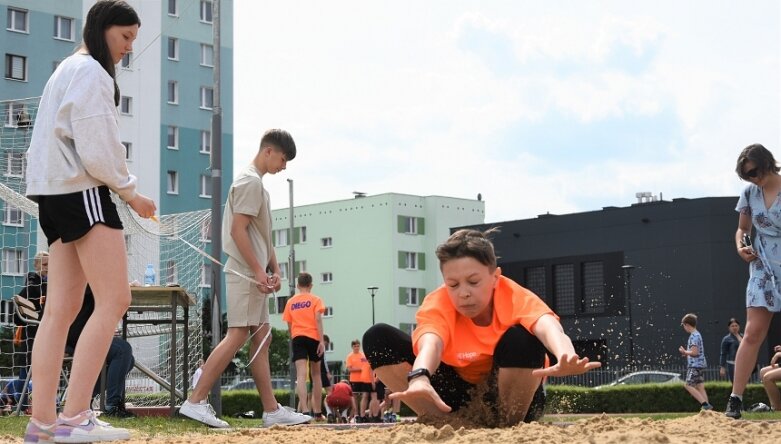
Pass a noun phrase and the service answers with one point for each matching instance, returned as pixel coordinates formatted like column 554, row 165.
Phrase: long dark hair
column 762, row 158
column 103, row 15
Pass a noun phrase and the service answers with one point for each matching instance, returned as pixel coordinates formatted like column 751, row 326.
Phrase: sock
column 41, row 424
column 737, row 396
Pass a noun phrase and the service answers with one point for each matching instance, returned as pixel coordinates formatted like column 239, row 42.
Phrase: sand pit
column 705, row 427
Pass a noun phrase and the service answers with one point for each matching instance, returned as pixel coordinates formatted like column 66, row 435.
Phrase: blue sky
column 557, row 106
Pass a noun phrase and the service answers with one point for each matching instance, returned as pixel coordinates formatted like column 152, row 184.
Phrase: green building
column 385, row 241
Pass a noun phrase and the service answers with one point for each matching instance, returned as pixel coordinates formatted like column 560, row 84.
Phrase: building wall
column 684, row 257
column 366, row 242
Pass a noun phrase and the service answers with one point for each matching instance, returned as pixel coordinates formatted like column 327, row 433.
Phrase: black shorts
column 361, row 387
column 379, row 388
column 324, row 374
column 305, row 348
column 70, row 216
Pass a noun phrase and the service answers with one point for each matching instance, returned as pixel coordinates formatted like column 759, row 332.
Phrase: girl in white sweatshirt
column 75, row 159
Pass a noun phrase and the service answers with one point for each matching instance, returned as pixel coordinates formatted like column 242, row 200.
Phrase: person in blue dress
column 759, row 206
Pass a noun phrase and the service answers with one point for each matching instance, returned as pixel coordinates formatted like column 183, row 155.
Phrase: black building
column 641, row 268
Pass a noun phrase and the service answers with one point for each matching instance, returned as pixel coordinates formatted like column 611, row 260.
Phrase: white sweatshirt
column 75, row 143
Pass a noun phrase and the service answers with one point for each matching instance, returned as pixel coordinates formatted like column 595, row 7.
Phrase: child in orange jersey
column 360, row 379
column 304, row 317
column 478, row 327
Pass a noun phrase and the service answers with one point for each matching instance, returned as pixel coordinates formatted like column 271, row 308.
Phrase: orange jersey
column 359, row 361
column 469, row 348
column 301, row 313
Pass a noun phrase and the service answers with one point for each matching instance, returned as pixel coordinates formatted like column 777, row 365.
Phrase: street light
column 628, row 293
column 372, row 289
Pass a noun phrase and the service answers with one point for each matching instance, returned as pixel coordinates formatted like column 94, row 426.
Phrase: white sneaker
column 202, row 412
column 86, row 427
column 283, row 416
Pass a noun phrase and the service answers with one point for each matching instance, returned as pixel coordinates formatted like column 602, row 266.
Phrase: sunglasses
column 752, row 173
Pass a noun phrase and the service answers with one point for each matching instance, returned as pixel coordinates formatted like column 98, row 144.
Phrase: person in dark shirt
column 119, row 360
column 729, row 348
column 34, row 291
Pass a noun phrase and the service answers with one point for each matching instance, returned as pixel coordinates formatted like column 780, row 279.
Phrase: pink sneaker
column 86, row 427
column 38, row 433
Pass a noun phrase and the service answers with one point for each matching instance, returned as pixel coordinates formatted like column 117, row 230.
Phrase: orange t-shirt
column 469, row 348
column 358, row 360
column 301, row 313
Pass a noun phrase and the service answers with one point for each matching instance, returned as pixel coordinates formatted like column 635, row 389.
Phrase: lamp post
column 372, row 290
column 628, row 294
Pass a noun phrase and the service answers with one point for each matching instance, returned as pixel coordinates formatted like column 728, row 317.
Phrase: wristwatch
column 418, row 372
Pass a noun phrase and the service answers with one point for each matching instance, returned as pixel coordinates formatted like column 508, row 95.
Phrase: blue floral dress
column 764, row 283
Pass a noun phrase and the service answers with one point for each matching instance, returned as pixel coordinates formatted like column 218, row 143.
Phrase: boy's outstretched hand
column 420, row 388
column 567, row 365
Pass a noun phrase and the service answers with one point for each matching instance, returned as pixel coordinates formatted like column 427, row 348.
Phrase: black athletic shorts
column 70, row 216
column 379, row 388
column 361, row 387
column 305, row 347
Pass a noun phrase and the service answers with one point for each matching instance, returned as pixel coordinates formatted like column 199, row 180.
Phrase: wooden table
column 164, row 300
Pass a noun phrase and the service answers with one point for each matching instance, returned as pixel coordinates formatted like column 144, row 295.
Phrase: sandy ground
column 706, row 427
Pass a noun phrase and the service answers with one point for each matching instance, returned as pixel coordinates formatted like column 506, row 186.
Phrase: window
column 207, row 97
column 206, row 186
column 206, row 275
column 283, row 272
column 128, row 150
column 535, row 281
column 207, row 55
column 173, row 92
column 7, row 312
column 206, row 230
column 280, row 237
column 407, row 328
column 173, row 48
column 326, row 277
column 173, row 137
column 300, row 267
column 206, row 142
column 15, row 67
column 12, row 216
column 329, row 347
column 410, row 225
column 17, row 20
column 173, row 7
column 413, row 296
column 412, row 261
column 126, row 105
column 13, row 261
column 329, row 312
column 125, row 63
column 171, row 275
column 173, row 182
column 564, row 288
column 16, row 114
column 15, row 164
column 300, row 235
column 63, row 28
column 326, row 242
column 206, row 12
column 593, row 287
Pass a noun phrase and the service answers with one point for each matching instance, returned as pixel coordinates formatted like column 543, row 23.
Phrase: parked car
column 646, row 377
column 249, row 384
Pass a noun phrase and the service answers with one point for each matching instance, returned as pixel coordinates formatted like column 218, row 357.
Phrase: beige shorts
column 247, row 306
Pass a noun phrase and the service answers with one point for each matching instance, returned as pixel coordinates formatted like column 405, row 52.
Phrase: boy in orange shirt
column 478, row 327
column 304, row 317
column 360, row 379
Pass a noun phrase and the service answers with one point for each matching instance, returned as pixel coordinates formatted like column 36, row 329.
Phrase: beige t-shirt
column 248, row 196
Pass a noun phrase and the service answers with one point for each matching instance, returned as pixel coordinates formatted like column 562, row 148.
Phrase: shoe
column 707, row 406
column 283, row 416
column 37, row 433
column 118, row 412
column 331, row 419
column 318, row 417
column 734, row 407
column 202, row 412
column 86, row 427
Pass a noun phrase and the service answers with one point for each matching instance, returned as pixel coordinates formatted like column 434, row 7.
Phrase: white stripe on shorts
column 92, row 199
column 99, row 207
column 86, row 207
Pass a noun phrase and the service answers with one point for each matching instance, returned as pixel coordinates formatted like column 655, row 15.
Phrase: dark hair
column 326, row 339
column 690, row 319
column 304, row 279
column 280, row 140
column 101, row 16
column 762, row 158
column 355, row 342
column 733, row 321
column 468, row 243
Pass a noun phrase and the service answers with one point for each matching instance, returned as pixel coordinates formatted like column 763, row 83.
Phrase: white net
column 171, row 245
